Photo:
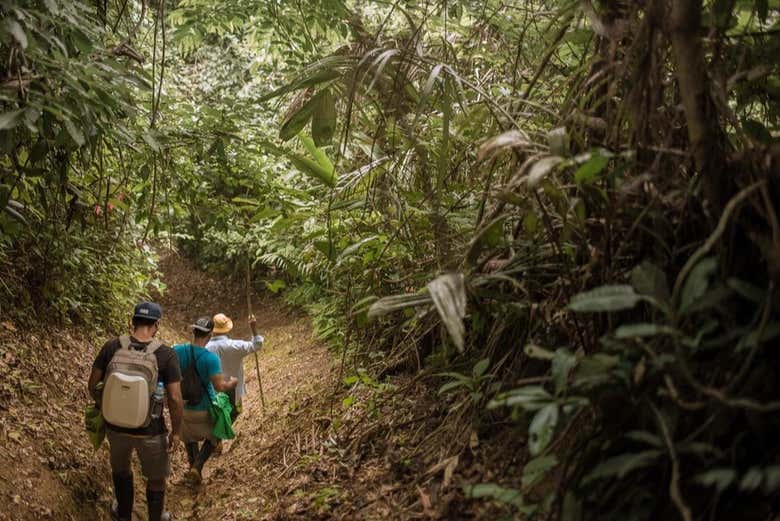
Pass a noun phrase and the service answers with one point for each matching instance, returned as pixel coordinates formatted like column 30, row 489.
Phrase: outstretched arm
column 241, row 347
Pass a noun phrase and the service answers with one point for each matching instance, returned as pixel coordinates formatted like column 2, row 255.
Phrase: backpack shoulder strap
column 124, row 342
column 195, row 366
column 153, row 346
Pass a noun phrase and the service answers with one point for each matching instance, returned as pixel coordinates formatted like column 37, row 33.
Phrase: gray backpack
column 129, row 383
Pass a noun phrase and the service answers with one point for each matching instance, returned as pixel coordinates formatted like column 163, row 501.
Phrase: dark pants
column 152, row 452
column 237, row 406
column 155, row 466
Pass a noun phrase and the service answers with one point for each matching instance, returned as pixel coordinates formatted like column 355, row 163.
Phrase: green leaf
column 751, row 480
column 770, row 332
column 321, row 71
column 494, row 145
column 720, row 478
column 352, row 248
column 771, row 479
column 530, row 398
column 275, row 286
column 588, row 172
column 448, row 292
column 757, row 131
column 17, row 31
column 605, row 298
column 697, row 282
column 536, row 469
column 541, row 169
column 620, row 466
column 318, row 154
column 387, row 305
column 298, row 118
column 540, row 353
column 562, row 363
column 488, row 490
column 52, row 6
column 480, row 367
column 328, row 249
column 489, row 236
column 313, row 169
column 641, row 330
column 558, row 141
column 452, row 385
column 245, row 201
column 10, row 119
column 747, row 290
column 542, row 428
column 645, row 437
column 75, row 133
column 649, row 279
column 151, row 141
column 594, row 369
column 323, row 120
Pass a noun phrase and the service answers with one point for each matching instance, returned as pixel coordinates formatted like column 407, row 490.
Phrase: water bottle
column 157, row 401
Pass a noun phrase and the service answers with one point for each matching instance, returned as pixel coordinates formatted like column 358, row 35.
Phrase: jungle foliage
column 562, row 213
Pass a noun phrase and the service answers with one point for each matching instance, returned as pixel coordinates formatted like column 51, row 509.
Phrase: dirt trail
column 293, row 460
column 48, row 470
column 294, row 369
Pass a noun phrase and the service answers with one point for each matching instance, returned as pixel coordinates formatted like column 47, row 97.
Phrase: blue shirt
column 207, row 365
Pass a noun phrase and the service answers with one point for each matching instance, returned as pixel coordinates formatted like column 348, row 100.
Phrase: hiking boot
column 193, row 476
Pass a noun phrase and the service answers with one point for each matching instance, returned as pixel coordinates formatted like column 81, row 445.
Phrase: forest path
column 294, row 369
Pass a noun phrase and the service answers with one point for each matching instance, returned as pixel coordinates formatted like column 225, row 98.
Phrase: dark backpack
column 192, row 388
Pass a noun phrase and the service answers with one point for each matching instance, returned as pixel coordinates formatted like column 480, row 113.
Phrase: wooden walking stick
column 249, row 311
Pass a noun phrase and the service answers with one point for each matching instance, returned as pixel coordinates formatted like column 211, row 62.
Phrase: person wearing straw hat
column 232, row 353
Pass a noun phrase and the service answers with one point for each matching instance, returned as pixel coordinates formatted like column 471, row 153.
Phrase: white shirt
column 231, row 354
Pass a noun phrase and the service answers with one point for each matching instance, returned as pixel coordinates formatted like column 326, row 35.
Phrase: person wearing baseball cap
column 202, row 379
column 149, row 443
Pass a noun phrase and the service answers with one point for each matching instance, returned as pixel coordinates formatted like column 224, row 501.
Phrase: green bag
column 220, row 414
column 96, row 427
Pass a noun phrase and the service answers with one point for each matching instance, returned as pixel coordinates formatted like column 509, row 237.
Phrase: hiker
column 127, row 380
column 202, row 378
column 232, row 352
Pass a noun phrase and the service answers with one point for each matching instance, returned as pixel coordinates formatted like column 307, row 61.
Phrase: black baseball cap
column 204, row 324
column 150, row 310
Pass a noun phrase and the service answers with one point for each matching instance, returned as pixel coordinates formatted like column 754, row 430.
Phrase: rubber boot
column 192, row 452
column 205, row 453
column 155, row 501
column 123, row 489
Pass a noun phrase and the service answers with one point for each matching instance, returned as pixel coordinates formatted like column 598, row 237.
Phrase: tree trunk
column 707, row 141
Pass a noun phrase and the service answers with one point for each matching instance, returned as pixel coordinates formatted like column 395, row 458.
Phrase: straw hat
column 222, row 324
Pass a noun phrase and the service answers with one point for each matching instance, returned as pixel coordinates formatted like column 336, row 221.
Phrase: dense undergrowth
column 562, row 212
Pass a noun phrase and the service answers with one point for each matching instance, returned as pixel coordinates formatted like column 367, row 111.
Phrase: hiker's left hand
column 252, row 321
column 173, row 442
